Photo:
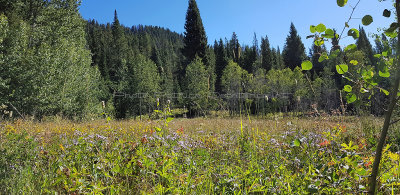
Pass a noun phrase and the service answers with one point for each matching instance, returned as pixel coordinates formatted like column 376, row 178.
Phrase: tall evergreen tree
column 220, row 64
column 195, row 39
column 234, row 49
column 280, row 64
column 248, row 59
column 365, row 46
column 266, row 54
column 294, row 50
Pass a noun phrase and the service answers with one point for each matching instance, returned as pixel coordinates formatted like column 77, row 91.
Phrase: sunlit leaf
column 312, row 29
column 320, row 28
column 324, row 56
column 319, row 42
column 386, row 92
column 391, row 31
column 306, row 65
column 329, row 34
column 384, row 74
column 348, row 88
column 350, row 47
column 354, row 62
column 353, row 33
column 351, row 98
column 341, row 3
column 342, row 68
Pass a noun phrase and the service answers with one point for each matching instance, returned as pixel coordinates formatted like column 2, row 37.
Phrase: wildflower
column 325, row 143
column 62, row 147
column 144, row 140
column 179, row 131
column 367, row 164
column 331, row 163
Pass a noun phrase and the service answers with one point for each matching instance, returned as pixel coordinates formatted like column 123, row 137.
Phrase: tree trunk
column 388, row 115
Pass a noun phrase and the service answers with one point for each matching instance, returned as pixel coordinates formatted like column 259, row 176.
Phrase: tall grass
column 193, row 156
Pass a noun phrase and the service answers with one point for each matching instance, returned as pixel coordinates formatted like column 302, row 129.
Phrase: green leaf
column 306, row 65
column 312, row 29
column 384, row 53
column 342, row 68
column 350, row 47
column 324, row 56
column 320, row 28
column 341, row 3
column 169, row 119
column 346, row 24
column 353, row 33
column 158, row 129
column 386, row 13
column 329, row 34
column 335, row 53
column 319, row 42
column 354, row 62
column 367, row 20
column 351, row 98
column 363, row 90
column 386, row 92
column 348, row 88
column 384, row 74
column 377, row 55
column 296, row 143
column 391, row 31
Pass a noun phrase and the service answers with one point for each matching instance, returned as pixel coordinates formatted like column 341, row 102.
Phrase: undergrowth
column 132, row 157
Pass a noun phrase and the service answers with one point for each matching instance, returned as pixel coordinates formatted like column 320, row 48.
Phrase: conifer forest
column 103, row 108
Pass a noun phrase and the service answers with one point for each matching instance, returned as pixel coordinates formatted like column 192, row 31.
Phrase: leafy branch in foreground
column 363, row 78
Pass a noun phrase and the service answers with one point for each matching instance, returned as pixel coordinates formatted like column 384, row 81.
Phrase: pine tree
column 220, row 64
column 234, row 49
column 248, row 59
column 195, row 39
column 266, row 54
column 365, row 46
column 294, row 50
column 279, row 59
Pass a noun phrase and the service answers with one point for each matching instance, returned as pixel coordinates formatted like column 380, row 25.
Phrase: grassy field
column 331, row 155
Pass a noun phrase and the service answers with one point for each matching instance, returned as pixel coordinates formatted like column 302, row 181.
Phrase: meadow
column 324, row 155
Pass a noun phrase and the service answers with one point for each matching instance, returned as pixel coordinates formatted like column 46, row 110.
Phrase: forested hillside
column 55, row 63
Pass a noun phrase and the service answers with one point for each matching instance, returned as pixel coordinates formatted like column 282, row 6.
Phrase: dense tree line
column 53, row 62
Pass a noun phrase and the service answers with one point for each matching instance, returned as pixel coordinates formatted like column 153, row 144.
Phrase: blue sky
column 245, row 17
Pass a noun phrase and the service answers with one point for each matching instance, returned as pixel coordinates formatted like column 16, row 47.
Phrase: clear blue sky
column 222, row 17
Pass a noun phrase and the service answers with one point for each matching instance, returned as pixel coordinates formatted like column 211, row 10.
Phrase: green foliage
column 353, row 33
column 234, row 78
column 196, row 88
column 195, row 39
column 341, row 3
column 294, row 50
column 47, row 69
column 306, row 65
column 155, row 159
column 266, row 54
column 367, row 20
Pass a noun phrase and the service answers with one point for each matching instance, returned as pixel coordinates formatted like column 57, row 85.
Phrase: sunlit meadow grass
column 194, row 156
